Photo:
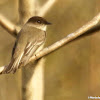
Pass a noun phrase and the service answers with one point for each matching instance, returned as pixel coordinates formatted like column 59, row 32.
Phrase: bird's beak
column 48, row 23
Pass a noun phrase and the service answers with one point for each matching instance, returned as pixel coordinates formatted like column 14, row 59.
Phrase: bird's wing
column 24, row 56
column 13, row 65
column 29, row 51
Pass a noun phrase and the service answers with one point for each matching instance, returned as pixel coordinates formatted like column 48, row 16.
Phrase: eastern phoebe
column 29, row 39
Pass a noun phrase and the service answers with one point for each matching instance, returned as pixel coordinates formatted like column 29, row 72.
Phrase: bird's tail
column 13, row 66
column 9, row 67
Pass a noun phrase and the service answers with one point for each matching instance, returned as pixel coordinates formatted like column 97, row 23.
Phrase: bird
column 29, row 39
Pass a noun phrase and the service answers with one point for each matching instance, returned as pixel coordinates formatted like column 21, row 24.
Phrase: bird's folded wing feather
column 22, row 53
column 23, row 57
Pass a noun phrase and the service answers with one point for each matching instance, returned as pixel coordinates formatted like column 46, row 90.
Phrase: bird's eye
column 39, row 21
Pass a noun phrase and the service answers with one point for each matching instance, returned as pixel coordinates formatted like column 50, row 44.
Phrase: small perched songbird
column 29, row 39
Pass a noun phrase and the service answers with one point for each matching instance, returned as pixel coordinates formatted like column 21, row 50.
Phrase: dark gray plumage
column 29, row 39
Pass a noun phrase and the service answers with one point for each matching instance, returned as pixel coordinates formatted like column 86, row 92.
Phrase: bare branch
column 8, row 26
column 65, row 40
column 2, row 68
column 14, row 29
column 46, row 7
column 68, row 38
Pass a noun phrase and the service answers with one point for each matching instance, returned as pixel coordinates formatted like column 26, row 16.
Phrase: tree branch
column 93, row 23
column 90, row 25
column 14, row 29
column 8, row 26
column 46, row 7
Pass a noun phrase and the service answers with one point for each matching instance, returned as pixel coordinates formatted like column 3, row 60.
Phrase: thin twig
column 46, row 7
column 65, row 40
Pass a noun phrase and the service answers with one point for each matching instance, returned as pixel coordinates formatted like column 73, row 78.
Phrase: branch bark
column 8, row 26
column 93, row 23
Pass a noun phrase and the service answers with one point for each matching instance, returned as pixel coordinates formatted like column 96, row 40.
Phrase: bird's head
column 38, row 22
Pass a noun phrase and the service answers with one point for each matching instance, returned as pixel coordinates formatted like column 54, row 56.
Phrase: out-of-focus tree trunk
column 32, row 75
column 26, row 10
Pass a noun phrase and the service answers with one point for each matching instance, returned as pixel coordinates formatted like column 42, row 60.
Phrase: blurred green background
column 70, row 73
